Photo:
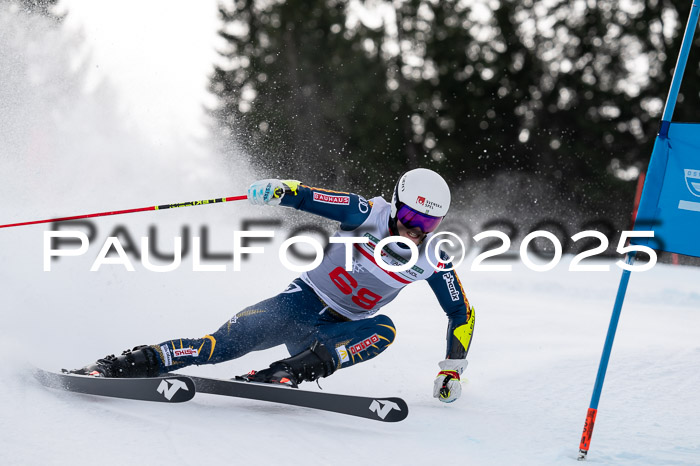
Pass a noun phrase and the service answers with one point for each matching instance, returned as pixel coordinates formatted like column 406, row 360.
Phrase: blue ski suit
column 332, row 305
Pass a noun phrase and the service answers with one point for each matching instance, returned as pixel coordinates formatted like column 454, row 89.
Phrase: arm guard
column 450, row 294
column 459, row 338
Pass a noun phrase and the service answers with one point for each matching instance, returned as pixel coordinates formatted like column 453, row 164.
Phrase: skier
column 327, row 317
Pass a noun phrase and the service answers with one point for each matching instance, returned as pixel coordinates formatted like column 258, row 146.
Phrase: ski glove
column 447, row 386
column 266, row 192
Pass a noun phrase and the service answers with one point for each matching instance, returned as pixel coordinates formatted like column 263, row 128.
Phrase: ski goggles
column 413, row 219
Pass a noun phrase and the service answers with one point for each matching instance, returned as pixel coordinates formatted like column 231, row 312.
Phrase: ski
column 170, row 389
column 389, row 409
column 179, row 388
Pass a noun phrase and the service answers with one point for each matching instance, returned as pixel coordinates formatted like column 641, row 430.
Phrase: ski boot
column 141, row 361
column 309, row 365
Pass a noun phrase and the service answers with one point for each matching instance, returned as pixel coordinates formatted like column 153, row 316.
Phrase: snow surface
column 533, row 360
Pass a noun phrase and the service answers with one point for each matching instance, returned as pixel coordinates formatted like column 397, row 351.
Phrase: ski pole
column 130, row 211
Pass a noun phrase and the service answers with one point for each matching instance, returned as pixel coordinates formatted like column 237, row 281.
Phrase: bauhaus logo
column 330, row 199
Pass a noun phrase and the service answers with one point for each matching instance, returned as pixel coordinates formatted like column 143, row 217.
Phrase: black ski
column 178, row 388
column 379, row 409
column 171, row 389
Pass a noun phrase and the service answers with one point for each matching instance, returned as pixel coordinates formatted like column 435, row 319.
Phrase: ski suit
column 332, row 305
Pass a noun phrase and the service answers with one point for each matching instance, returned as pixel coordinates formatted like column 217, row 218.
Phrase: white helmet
column 424, row 191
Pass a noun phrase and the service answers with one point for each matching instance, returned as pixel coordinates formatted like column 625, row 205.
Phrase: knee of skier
column 385, row 329
column 375, row 338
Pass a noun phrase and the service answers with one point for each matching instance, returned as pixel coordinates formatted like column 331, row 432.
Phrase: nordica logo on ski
column 169, row 387
column 383, row 407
